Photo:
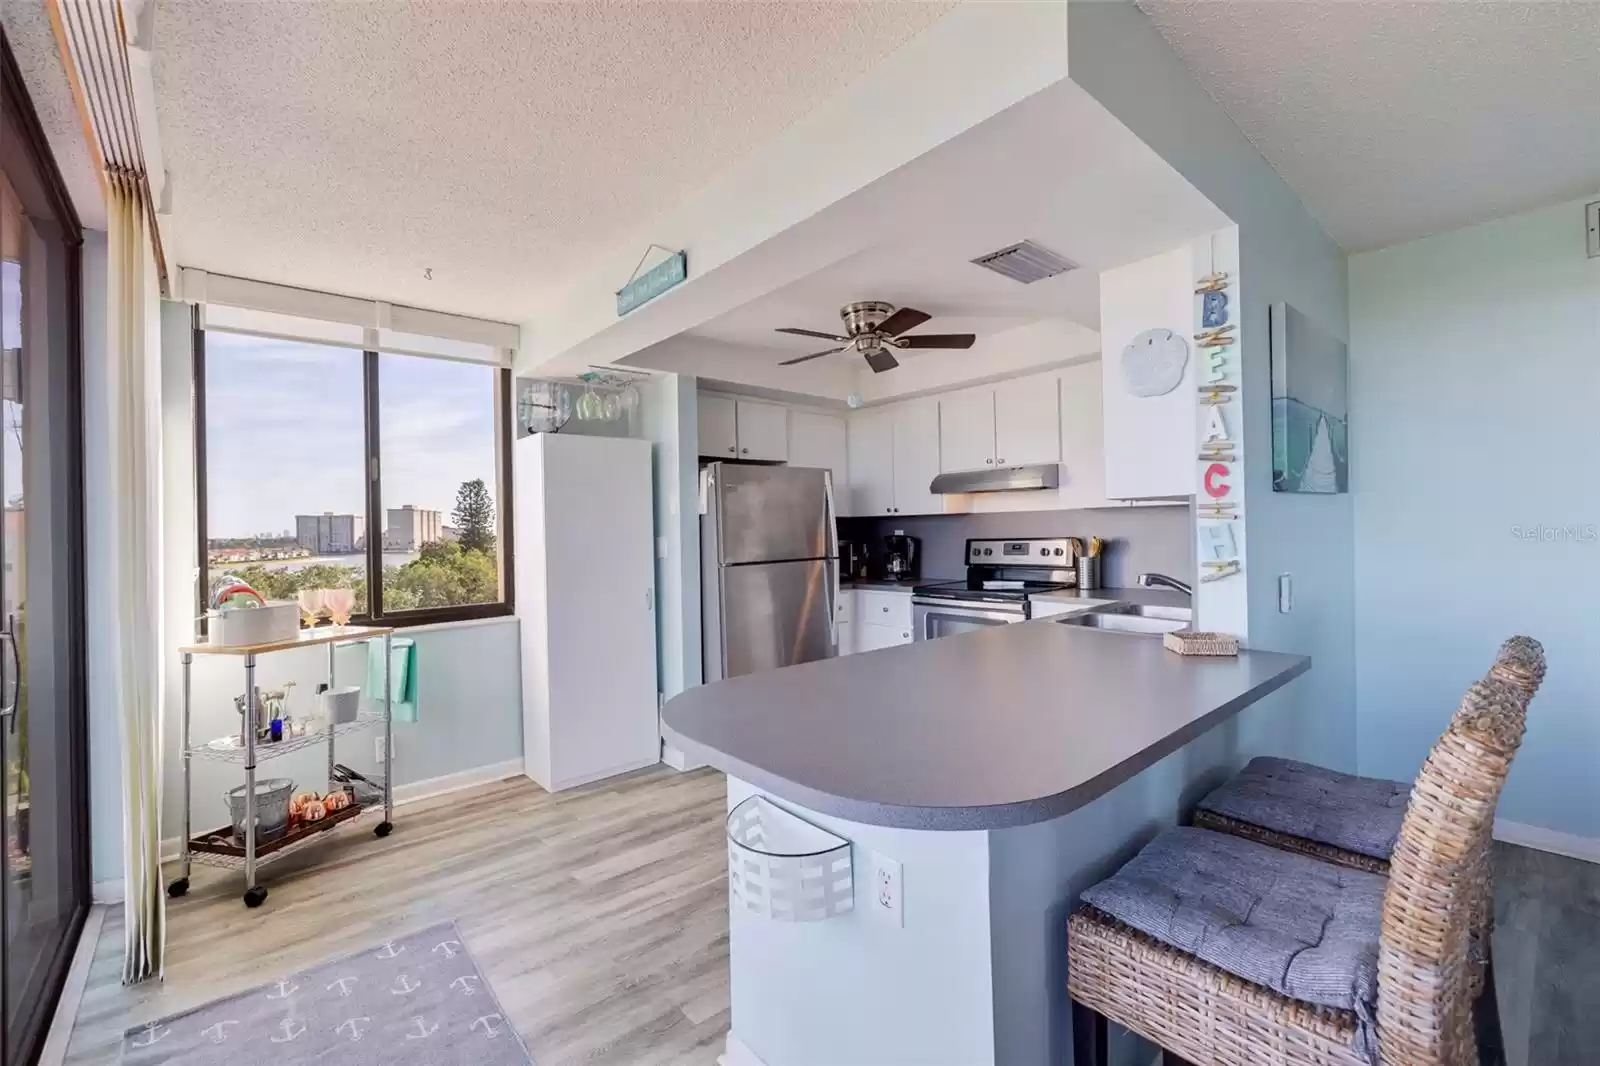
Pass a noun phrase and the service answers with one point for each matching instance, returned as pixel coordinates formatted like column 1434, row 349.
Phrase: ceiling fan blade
column 814, row 333
column 902, row 320
column 807, row 358
column 937, row 340
column 880, row 360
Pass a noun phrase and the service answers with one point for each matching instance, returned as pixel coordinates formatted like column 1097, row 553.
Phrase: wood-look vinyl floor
column 598, row 915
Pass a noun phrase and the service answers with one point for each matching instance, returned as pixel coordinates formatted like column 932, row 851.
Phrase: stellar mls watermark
column 1543, row 534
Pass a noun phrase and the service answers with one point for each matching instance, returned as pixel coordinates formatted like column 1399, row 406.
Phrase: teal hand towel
column 402, row 676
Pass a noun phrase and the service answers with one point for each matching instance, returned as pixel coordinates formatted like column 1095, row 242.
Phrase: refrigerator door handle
column 832, row 566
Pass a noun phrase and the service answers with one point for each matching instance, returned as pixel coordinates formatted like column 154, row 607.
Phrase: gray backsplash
column 1141, row 538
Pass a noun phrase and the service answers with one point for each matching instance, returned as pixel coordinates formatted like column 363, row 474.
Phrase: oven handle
column 924, row 612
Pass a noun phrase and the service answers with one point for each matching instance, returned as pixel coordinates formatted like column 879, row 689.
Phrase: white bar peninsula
column 1005, row 770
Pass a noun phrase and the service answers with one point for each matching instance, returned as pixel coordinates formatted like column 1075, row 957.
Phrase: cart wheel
column 383, row 829
column 180, row 887
column 255, row 897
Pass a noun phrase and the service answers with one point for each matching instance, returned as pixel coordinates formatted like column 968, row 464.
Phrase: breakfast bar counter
column 982, row 781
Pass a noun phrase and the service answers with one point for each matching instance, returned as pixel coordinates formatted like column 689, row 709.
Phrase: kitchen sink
column 1132, row 618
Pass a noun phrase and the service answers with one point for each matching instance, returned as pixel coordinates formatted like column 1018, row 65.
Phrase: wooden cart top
column 306, row 638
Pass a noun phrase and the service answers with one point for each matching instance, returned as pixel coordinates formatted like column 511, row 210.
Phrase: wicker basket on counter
column 1194, row 642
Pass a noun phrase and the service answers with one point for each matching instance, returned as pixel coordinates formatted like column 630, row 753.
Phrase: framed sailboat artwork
column 1310, row 406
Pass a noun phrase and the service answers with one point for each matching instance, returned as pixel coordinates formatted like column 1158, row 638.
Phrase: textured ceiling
column 1394, row 119
column 350, row 146
column 33, row 43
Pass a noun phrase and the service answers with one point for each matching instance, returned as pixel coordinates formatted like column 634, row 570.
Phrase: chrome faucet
column 1151, row 581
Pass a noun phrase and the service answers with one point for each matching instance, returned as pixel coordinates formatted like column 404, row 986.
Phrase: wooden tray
column 1191, row 642
column 221, row 841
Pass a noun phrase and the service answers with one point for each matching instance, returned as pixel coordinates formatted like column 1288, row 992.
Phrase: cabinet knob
column 989, row 462
column 1000, row 462
column 744, row 451
column 905, row 636
column 885, row 610
column 731, row 448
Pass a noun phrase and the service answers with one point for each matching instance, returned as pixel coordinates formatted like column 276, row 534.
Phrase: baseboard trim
column 1571, row 845
column 734, row 1053
column 112, row 892
column 54, row 1052
column 598, row 775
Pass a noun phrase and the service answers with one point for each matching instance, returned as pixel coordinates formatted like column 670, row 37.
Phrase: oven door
column 931, row 619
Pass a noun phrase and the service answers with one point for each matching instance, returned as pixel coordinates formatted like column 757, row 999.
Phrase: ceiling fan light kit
column 873, row 328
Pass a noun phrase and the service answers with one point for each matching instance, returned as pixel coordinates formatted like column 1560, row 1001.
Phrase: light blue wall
column 1474, row 379
column 1122, row 60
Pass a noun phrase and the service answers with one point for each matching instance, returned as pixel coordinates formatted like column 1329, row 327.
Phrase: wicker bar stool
column 1208, row 966
column 1354, row 822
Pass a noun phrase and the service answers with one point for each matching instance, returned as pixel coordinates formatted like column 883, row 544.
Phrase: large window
column 330, row 468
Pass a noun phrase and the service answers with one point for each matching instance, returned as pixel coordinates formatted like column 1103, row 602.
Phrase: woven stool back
column 1436, row 878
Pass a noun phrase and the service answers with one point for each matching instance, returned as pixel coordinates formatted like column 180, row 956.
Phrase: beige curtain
column 132, row 327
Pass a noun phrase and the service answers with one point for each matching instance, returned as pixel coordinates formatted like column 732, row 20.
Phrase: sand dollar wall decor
column 1153, row 362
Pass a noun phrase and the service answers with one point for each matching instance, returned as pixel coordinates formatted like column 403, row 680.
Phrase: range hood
column 1001, row 479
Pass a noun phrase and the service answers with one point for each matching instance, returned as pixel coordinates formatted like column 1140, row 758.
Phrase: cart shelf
column 235, row 753
column 219, row 848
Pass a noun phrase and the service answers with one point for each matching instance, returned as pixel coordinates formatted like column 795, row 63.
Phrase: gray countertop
column 983, row 730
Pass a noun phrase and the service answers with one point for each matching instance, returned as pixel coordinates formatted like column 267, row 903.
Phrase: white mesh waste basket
column 784, row 867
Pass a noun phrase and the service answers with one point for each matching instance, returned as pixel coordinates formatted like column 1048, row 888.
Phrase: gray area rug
column 418, row 1000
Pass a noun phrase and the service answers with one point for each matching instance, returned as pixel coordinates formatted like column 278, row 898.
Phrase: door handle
column 11, row 670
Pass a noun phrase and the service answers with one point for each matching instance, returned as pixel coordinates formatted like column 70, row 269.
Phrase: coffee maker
column 900, row 557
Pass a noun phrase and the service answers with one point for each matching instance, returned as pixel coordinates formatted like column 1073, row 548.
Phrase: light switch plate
column 887, row 887
column 1591, row 221
column 1285, row 593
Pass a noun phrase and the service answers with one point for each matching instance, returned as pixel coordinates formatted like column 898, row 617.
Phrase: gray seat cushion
column 1359, row 814
column 1303, row 928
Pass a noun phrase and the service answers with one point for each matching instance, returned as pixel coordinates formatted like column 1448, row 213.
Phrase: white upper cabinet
column 1148, row 376
column 966, row 430
column 1014, row 423
column 894, row 456
column 763, row 430
column 743, row 429
column 819, row 440
column 916, row 457
column 1027, row 422
column 718, row 429
column 871, row 462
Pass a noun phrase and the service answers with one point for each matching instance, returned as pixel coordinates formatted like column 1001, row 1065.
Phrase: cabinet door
column 820, row 441
column 871, row 462
column 763, row 431
column 966, row 430
column 717, row 430
column 916, row 457
column 1027, row 422
column 871, row 637
column 847, row 638
column 1083, row 446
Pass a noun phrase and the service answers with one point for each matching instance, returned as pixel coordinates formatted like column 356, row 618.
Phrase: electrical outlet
column 887, row 887
column 380, row 748
column 1591, row 223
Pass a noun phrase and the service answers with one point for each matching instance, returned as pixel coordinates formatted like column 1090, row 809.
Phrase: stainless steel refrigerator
column 769, row 567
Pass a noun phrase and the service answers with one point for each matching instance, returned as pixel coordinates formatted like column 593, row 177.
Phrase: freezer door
column 776, row 614
column 770, row 513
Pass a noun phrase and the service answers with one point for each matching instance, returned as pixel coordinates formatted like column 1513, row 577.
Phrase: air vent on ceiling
column 1026, row 262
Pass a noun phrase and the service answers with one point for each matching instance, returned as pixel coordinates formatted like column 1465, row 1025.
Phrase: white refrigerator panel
column 586, row 600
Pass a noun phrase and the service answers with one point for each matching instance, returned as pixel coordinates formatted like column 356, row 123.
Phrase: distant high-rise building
column 411, row 527
column 329, row 533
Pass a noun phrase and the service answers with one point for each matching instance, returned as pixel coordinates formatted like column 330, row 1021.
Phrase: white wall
column 1009, row 353
column 670, row 412
column 1475, row 371
column 1122, row 60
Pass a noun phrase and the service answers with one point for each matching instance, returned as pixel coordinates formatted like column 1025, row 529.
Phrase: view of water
column 358, row 559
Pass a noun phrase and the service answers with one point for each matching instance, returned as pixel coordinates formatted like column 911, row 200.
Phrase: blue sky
column 284, row 432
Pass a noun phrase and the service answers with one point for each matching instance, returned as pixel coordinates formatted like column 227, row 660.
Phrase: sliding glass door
column 42, row 731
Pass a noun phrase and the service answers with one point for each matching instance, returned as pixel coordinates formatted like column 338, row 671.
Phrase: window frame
column 375, row 615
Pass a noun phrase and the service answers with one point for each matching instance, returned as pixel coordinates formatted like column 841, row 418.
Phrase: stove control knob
column 1044, row 551
column 1060, row 552
column 988, row 551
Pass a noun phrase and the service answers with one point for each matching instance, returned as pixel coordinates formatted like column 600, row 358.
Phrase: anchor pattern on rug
column 405, row 1002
